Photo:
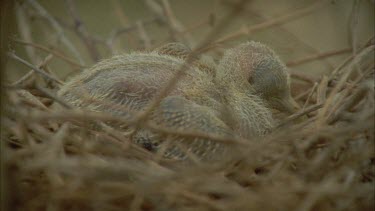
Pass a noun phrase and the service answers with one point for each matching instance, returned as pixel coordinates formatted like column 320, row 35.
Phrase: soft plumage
column 130, row 82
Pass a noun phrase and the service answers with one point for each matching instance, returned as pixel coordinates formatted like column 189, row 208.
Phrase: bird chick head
column 265, row 72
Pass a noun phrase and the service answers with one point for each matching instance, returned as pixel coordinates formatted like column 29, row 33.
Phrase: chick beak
column 289, row 105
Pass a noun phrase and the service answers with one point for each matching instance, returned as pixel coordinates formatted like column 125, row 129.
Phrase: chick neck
column 250, row 113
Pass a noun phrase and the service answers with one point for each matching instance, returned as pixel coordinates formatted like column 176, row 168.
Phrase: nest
column 320, row 158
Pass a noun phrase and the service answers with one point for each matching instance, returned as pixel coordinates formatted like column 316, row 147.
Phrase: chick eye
column 147, row 145
column 250, row 79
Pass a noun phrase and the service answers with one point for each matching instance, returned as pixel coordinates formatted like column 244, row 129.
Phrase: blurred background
column 312, row 37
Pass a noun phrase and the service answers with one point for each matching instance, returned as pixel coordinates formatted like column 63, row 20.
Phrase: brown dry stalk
column 248, row 30
column 44, row 74
column 56, row 53
column 143, row 35
column 52, row 96
column 254, row 13
column 349, row 103
column 81, row 31
column 299, row 114
column 338, row 69
column 342, row 80
column 317, row 56
column 23, row 23
column 31, row 72
column 303, row 76
column 310, row 95
column 82, row 115
column 322, row 90
column 59, row 30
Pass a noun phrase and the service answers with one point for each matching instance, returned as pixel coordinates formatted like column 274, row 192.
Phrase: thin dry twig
column 272, row 22
column 318, row 56
column 143, row 35
column 59, row 30
column 25, row 31
column 310, row 95
column 112, row 37
column 353, row 28
column 176, row 25
column 52, row 96
column 342, row 80
column 349, row 103
column 165, row 13
column 322, row 90
column 51, row 51
column 81, row 31
column 336, row 72
column 36, row 69
column 255, row 14
column 299, row 114
column 303, row 77
column 31, row 72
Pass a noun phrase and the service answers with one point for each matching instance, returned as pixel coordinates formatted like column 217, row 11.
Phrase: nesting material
column 69, row 159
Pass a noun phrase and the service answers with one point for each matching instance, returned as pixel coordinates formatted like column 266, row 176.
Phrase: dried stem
column 318, row 56
column 59, row 30
column 81, row 31
column 299, row 114
column 272, row 22
column 31, row 72
column 53, row 52
column 36, row 69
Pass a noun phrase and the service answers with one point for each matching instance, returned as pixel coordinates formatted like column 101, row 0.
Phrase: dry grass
column 321, row 158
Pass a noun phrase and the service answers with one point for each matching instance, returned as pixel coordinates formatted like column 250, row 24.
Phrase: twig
column 36, row 69
column 175, row 25
column 143, row 35
column 48, row 50
column 81, row 31
column 196, row 134
column 31, row 72
column 318, row 56
column 272, row 22
column 342, row 81
column 24, row 29
column 117, row 32
column 59, row 30
column 346, row 91
column 211, row 205
column 310, row 94
column 31, row 99
column 291, row 35
column 303, row 77
column 353, row 28
column 300, row 96
column 136, row 202
column 124, row 20
column 336, row 71
column 322, row 90
column 299, row 114
column 52, row 96
column 88, row 115
column 348, row 104
column 194, row 26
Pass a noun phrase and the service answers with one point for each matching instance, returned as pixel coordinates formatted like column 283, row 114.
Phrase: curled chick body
column 130, row 82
